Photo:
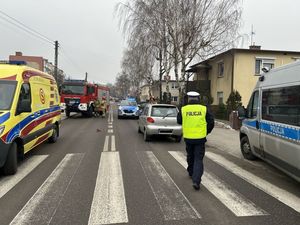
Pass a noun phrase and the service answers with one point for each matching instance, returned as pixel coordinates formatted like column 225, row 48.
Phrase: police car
column 271, row 125
column 128, row 108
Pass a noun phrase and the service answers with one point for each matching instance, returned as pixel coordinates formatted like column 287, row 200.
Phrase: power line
column 69, row 59
column 24, row 27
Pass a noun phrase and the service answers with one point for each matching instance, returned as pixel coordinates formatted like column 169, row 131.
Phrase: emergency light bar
column 13, row 62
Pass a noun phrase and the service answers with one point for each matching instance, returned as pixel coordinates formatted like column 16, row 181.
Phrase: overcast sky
column 91, row 41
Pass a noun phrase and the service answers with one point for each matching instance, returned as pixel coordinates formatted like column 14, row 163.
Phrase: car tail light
column 150, row 120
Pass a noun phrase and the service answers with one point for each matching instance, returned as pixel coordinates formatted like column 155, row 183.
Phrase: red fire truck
column 82, row 96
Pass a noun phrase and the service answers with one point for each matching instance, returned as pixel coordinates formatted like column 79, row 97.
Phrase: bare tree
column 180, row 30
column 123, row 84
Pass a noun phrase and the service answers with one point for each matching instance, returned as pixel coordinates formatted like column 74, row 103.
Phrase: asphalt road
column 102, row 172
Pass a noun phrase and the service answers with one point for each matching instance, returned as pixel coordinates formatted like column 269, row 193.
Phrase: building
column 39, row 63
column 236, row 69
column 173, row 90
column 36, row 62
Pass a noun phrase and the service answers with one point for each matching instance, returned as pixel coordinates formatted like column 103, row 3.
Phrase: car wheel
column 178, row 139
column 246, row 149
column 146, row 136
column 67, row 113
column 119, row 117
column 11, row 165
column 54, row 135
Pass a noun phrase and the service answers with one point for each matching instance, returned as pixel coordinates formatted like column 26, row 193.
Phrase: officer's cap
column 193, row 94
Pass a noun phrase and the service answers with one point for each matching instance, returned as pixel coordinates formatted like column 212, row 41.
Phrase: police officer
column 196, row 122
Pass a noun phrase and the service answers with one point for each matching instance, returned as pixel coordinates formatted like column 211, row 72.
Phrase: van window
column 282, row 105
column 25, row 93
column 253, row 105
column 7, row 92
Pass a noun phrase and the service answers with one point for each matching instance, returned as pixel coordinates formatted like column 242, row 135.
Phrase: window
column 91, row 90
column 162, row 111
column 145, row 112
column 174, row 98
column 25, row 95
column 282, row 105
column 73, row 89
column 7, row 91
column 220, row 97
column 220, row 69
column 174, row 85
column 252, row 108
column 261, row 63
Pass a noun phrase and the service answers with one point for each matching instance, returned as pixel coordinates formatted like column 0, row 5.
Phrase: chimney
column 255, row 47
column 19, row 54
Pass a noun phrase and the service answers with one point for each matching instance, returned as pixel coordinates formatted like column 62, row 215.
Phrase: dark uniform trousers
column 195, row 153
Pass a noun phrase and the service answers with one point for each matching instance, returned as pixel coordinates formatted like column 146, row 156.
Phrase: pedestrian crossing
column 109, row 202
column 109, row 199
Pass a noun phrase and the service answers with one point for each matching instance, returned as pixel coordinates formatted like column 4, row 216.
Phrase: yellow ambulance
column 29, row 112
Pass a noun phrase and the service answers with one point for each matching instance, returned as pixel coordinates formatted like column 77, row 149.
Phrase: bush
column 221, row 112
column 234, row 101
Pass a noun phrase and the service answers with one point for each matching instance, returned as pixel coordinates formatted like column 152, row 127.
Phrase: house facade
column 237, row 69
column 173, row 90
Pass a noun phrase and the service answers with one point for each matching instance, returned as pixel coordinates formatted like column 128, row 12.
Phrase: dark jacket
column 210, row 124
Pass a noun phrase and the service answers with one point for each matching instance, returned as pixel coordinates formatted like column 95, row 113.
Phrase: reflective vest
column 194, row 122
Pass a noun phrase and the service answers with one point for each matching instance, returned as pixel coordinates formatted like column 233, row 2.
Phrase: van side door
column 281, row 126
column 25, row 114
column 253, row 123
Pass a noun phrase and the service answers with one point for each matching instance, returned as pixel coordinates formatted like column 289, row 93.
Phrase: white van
column 271, row 125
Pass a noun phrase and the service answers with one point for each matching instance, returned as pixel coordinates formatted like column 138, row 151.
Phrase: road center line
column 105, row 147
column 8, row 182
column 113, row 143
column 284, row 196
column 173, row 204
column 43, row 204
column 233, row 200
column 109, row 203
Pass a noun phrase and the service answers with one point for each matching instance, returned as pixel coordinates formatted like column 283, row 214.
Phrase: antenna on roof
column 252, row 35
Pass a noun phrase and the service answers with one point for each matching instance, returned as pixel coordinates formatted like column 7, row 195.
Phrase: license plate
column 72, row 102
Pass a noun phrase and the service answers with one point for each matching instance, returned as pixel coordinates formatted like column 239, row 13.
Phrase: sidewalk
column 224, row 138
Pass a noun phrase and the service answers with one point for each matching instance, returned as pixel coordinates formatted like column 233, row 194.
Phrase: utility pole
column 56, row 61
column 86, row 76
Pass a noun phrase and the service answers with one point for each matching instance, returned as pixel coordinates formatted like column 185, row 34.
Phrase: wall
column 244, row 70
column 221, row 84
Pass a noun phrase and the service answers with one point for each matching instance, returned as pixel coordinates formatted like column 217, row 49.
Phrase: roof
column 203, row 63
column 19, row 72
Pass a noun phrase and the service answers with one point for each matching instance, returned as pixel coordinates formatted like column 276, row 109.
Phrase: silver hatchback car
column 159, row 119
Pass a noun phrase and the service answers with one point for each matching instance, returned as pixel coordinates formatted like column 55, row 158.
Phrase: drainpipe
column 232, row 73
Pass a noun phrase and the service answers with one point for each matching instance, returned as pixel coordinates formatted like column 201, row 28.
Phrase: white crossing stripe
column 8, row 182
column 110, row 131
column 173, row 204
column 112, row 116
column 113, row 143
column 282, row 195
column 108, row 120
column 109, row 203
column 233, row 200
column 43, row 204
column 109, row 123
column 110, row 126
column 106, row 142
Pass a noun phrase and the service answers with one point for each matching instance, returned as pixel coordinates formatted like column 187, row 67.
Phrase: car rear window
column 161, row 111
